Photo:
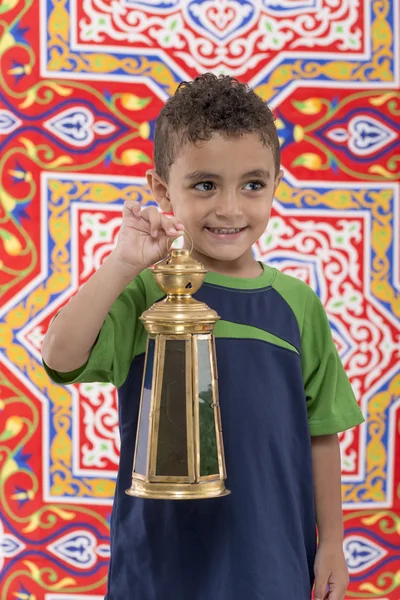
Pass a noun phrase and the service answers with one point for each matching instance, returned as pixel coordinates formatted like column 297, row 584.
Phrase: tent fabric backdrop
column 81, row 83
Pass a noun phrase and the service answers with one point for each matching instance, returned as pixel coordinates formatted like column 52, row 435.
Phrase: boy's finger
column 130, row 207
column 320, row 590
column 153, row 217
column 177, row 224
column 170, row 226
column 338, row 593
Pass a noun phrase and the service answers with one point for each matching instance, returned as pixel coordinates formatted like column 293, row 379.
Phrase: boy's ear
column 160, row 190
column 278, row 179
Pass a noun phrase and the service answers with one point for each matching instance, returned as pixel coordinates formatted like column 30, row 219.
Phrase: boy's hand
column 142, row 240
column 331, row 573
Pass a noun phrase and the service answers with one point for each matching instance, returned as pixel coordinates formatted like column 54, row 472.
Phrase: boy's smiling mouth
column 225, row 232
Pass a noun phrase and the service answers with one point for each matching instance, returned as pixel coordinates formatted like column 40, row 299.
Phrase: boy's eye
column 204, row 186
column 255, row 186
column 208, row 186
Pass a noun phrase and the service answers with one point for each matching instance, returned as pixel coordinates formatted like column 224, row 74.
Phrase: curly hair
column 207, row 105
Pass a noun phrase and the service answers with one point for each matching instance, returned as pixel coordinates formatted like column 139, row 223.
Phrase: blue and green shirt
column 281, row 381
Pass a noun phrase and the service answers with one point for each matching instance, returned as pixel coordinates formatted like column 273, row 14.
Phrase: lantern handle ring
column 170, row 241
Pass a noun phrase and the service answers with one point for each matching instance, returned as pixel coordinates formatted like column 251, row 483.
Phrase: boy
column 284, row 395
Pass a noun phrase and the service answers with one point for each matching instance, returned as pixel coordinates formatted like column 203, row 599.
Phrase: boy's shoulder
column 288, row 284
column 292, row 284
column 302, row 299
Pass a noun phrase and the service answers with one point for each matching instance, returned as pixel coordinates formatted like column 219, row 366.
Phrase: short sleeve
column 116, row 345
column 331, row 404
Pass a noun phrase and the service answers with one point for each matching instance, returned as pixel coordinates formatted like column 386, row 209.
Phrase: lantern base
column 177, row 491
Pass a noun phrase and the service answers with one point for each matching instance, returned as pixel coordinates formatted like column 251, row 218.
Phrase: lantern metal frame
column 180, row 317
column 181, row 487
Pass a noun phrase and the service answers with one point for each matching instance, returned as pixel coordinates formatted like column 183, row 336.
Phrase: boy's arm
column 141, row 243
column 331, row 574
column 71, row 336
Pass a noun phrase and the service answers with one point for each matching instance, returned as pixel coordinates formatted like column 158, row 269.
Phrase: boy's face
column 222, row 191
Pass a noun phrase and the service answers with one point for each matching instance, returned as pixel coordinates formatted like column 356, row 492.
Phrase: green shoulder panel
column 296, row 293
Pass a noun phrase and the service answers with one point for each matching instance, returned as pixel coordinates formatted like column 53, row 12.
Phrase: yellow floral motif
column 21, row 175
column 12, row 428
column 381, row 100
column 12, row 245
column 132, row 157
column 7, row 41
column 9, row 468
column 32, row 152
column 298, row 133
column 37, row 575
column 311, row 106
column 384, row 518
column 27, row 495
column 7, row 5
column 144, row 130
column 20, row 70
column 309, row 160
column 132, row 102
column 382, row 171
column 7, row 201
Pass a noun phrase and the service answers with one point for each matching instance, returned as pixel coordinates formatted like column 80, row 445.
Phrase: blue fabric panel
column 263, row 308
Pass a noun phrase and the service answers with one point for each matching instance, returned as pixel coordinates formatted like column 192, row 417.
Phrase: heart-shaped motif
column 77, row 548
column 362, row 553
column 77, row 126
column 73, row 126
column 220, row 19
column 367, row 135
column 364, row 135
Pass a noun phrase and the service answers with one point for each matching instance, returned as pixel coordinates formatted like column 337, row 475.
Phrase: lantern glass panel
column 143, row 433
column 208, row 441
column 172, row 456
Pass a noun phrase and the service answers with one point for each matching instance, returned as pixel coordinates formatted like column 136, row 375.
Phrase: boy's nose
column 228, row 205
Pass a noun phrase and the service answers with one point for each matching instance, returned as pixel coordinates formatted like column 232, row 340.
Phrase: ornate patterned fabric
column 81, row 83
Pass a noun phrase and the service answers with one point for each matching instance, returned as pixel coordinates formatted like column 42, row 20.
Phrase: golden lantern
column 179, row 449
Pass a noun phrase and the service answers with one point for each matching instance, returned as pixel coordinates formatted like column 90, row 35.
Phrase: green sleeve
column 331, row 404
column 117, row 344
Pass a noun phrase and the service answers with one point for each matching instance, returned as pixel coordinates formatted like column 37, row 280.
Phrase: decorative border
column 368, row 67
column 56, row 204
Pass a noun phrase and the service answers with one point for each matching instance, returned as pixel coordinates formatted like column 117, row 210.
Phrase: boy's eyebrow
column 257, row 173
column 201, row 175
column 209, row 175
